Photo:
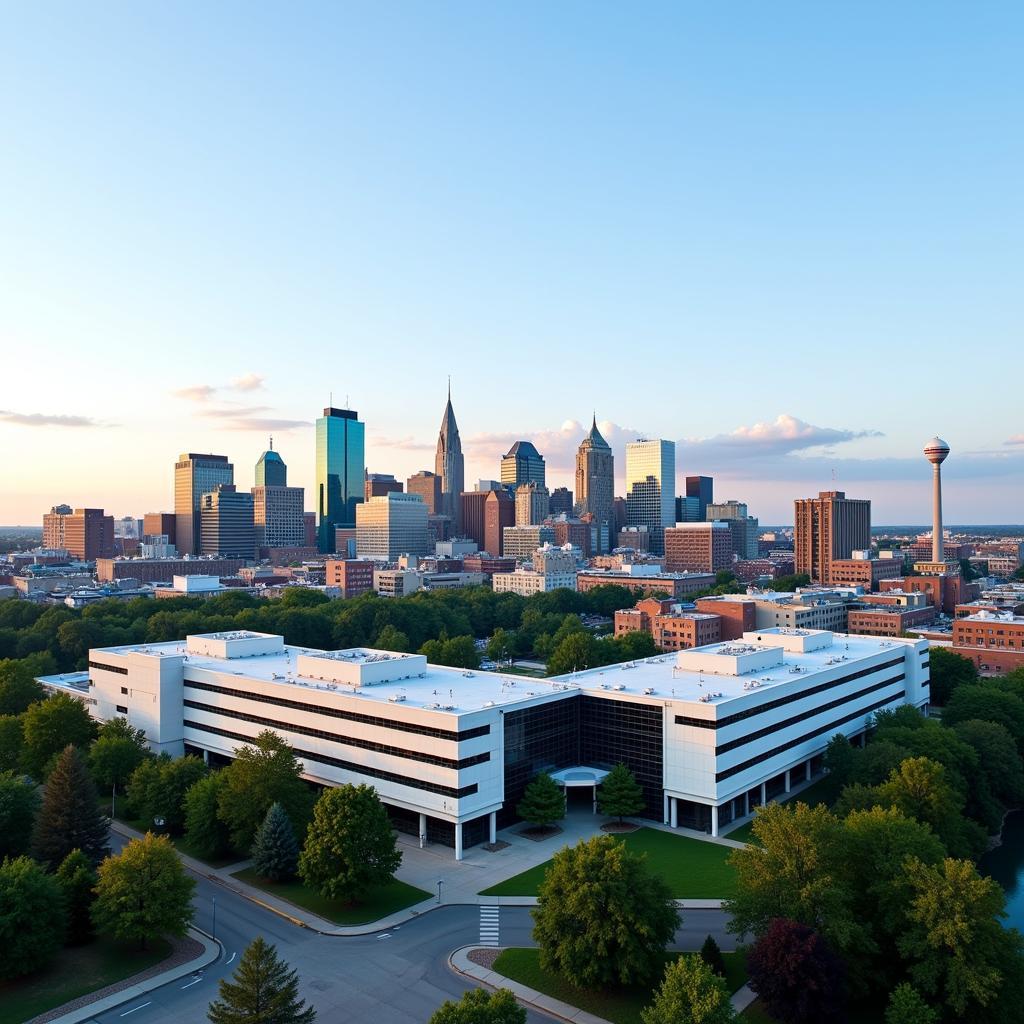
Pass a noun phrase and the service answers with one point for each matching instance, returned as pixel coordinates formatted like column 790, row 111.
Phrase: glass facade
column 194, row 476
column 340, row 472
column 651, row 488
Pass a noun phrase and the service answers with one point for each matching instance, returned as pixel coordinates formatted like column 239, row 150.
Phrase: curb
column 211, row 953
column 460, row 963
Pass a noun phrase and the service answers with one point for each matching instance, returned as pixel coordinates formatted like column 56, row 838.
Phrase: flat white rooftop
column 730, row 670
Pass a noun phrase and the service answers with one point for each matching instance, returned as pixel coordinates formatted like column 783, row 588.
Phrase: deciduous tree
column 263, row 990
column 32, row 917
column 77, row 880
column 690, row 993
column 205, row 832
column 11, row 742
column 478, row 1006
column 118, row 751
column 49, row 727
column 19, row 802
column 907, row 1006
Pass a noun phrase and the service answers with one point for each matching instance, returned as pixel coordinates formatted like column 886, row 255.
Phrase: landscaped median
column 692, row 868
column 379, row 902
column 620, row 1006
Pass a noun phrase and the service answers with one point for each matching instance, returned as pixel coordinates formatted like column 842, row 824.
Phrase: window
column 123, row 710
column 124, row 690
column 109, row 668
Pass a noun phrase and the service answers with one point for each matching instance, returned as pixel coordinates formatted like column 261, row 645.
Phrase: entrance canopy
column 582, row 776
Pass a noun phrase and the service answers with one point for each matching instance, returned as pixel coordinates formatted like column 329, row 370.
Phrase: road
column 396, row 977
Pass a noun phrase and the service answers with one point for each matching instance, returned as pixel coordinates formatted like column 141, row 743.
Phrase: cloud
column 404, row 444
column 196, row 393
column 42, row 419
column 239, row 410
column 248, row 382
column 255, row 423
column 1017, row 439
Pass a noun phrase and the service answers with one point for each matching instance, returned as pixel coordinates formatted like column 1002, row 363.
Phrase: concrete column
column 674, row 819
column 206, row 757
column 665, row 813
column 788, row 780
column 714, row 820
column 746, row 802
column 807, row 770
column 764, row 794
column 595, row 798
column 938, row 554
column 423, row 831
column 493, row 823
column 458, row 840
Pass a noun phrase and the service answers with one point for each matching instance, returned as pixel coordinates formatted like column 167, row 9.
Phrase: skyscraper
column 531, row 504
column 428, row 486
column 828, row 527
column 450, row 466
column 742, row 526
column 340, row 471
column 194, row 476
column 595, row 483
column 522, row 464
column 278, row 510
column 226, row 523
column 651, row 488
column 702, row 488
column 270, row 469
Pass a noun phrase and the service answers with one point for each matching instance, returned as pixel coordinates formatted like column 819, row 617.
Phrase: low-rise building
column 994, row 641
column 646, row 578
column 396, row 582
column 520, row 542
column 698, row 547
column 353, row 576
column 881, row 621
column 864, row 571
column 163, row 570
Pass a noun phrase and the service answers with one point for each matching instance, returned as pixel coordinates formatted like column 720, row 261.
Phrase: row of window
column 821, row 731
column 810, row 713
column 759, row 709
column 348, row 716
column 350, row 741
column 360, row 769
column 120, row 670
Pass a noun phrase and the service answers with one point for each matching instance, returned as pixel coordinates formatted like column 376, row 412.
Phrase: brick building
column 698, row 547
column 994, row 641
column 864, row 572
column 353, row 575
column 738, row 616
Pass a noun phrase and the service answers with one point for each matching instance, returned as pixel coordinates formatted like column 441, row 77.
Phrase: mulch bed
column 484, row 957
column 182, row 950
column 619, row 828
column 537, row 834
column 495, row 847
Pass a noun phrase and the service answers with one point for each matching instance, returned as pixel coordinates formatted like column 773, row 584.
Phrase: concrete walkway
column 211, row 951
column 460, row 963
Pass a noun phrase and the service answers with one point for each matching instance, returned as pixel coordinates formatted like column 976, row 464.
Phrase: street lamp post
column 440, row 881
column 214, row 918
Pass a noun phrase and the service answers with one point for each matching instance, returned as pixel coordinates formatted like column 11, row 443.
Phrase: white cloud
column 196, row 393
column 248, row 382
column 42, row 419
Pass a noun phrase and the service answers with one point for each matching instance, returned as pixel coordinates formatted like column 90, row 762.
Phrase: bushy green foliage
column 711, row 954
column 457, row 652
column 543, row 801
column 18, row 687
column 350, row 845
column 158, row 786
column 690, row 993
column 263, row 990
column 118, row 751
column 32, row 917
column 205, row 832
column 12, row 741
column 906, row 1006
column 49, row 726
column 948, row 671
column 602, row 917
column 69, row 818
column 77, row 879
column 19, row 802
column 478, row 1006
column 620, row 794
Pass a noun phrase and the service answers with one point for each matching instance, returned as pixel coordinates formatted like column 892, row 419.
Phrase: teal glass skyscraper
column 340, row 470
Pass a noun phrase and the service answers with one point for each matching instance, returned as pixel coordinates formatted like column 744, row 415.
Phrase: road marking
column 490, row 926
column 232, row 957
column 134, row 1008
column 386, row 935
column 194, row 981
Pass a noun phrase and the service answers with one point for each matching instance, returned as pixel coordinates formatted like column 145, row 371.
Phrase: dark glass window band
column 109, row 668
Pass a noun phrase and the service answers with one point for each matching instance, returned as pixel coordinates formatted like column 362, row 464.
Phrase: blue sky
column 751, row 228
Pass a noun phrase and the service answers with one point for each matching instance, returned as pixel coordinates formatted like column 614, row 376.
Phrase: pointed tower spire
column 271, row 442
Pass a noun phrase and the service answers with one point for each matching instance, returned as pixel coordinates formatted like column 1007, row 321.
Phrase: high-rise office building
column 595, row 482
column 84, row 533
column 377, row 484
column 651, row 488
column 561, row 502
column 450, row 466
column 703, row 489
column 340, row 470
column 531, row 504
column 471, row 516
column 270, row 469
column 226, row 524
column 522, row 464
column 744, row 527
column 194, row 476
column 828, row 527
column 160, row 524
column 499, row 512
column 391, row 525
column 428, row 486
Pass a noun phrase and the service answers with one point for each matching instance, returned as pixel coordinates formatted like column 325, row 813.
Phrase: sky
column 788, row 237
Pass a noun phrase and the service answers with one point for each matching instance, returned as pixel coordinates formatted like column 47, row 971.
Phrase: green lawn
column 621, row 1006
column 183, row 846
column 693, row 868
column 74, row 972
column 382, row 901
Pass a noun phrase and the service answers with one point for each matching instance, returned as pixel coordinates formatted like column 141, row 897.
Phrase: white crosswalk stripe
column 490, row 926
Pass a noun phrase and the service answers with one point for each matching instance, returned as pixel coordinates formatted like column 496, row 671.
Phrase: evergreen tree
column 262, row 991
column 143, row 892
column 620, row 794
column 32, row 917
column 711, row 954
column 350, row 846
column 477, row 1006
column 78, row 881
column 275, row 852
column 19, row 802
column 690, row 993
column 907, row 1007
column 543, row 802
column 69, row 818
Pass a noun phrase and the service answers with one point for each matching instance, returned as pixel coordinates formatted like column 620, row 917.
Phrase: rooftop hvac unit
column 396, row 698
column 619, row 686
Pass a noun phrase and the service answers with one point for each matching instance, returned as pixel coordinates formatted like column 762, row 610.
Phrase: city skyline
column 735, row 243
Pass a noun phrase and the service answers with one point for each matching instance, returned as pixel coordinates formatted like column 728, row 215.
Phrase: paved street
column 395, row 977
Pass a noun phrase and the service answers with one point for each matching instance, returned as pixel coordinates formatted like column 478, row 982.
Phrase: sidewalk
column 211, row 951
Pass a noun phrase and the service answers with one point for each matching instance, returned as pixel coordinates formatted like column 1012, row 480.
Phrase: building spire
column 271, row 442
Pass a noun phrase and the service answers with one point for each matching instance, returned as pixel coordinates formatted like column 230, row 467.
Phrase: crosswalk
column 489, row 926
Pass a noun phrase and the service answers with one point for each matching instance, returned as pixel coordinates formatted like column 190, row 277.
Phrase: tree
column 947, row 671
column 143, row 892
column 575, row 653
column 839, row 761
column 117, row 752
column 997, row 758
column 690, row 993
column 263, row 773
column 19, row 802
column 78, row 881
column 907, row 1007
column 11, row 742
column 794, row 971
column 50, row 726
column 990, row 705
column 711, row 954
column 602, row 916
column 350, row 846
column 954, row 937
column 501, row 646
column 69, row 818
column 390, row 638
column 478, row 1006
column 275, row 851
column 457, row 652
column 18, row 687
column 32, row 917
column 543, row 802
column 620, row 793
column 261, row 991
column 204, row 830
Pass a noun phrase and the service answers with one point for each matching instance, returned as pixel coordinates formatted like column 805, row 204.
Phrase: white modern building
column 390, row 525
column 709, row 733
